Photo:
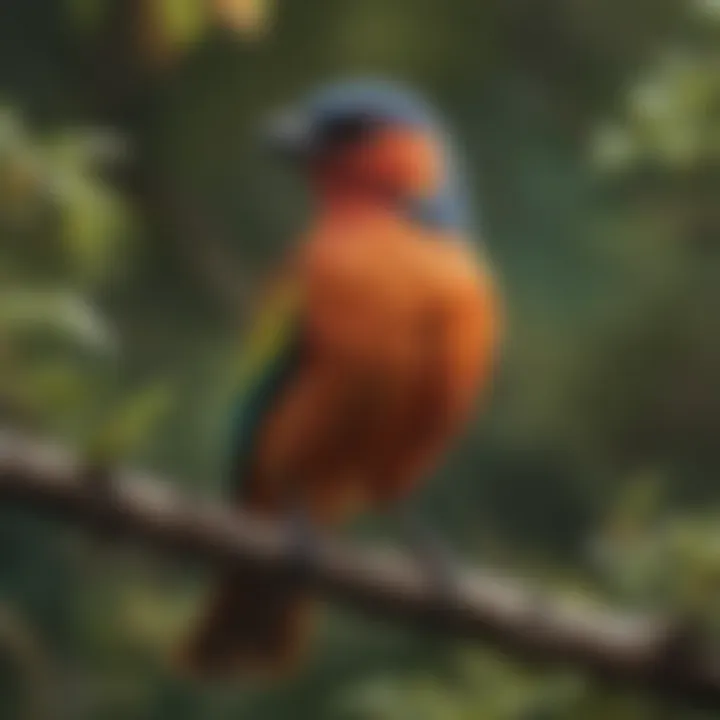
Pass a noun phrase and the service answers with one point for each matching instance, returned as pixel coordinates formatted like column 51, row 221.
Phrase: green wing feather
column 270, row 359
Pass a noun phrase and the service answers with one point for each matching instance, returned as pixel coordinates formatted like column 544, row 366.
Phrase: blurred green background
column 138, row 218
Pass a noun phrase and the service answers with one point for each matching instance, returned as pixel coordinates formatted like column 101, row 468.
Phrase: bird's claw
column 302, row 540
column 433, row 554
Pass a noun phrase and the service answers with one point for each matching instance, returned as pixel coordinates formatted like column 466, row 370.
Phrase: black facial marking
column 347, row 130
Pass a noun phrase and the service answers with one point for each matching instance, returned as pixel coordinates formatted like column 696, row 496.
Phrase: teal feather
column 270, row 363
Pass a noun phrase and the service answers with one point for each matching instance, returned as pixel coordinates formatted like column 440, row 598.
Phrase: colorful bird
column 374, row 345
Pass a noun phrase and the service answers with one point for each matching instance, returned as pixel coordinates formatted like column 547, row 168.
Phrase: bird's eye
column 346, row 130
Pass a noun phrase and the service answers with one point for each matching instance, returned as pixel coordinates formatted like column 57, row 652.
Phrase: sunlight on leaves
column 61, row 312
column 58, row 178
column 710, row 8
column 184, row 21
column 93, row 216
column 669, row 120
column 484, row 686
column 246, row 17
column 153, row 617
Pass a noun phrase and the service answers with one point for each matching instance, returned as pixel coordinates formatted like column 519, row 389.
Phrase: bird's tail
column 254, row 624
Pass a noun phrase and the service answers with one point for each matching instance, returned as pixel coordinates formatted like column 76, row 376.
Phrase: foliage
column 129, row 176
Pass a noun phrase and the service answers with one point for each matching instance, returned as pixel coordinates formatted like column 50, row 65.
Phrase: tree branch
column 639, row 651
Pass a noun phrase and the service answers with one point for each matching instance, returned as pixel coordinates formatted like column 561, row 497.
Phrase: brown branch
column 639, row 651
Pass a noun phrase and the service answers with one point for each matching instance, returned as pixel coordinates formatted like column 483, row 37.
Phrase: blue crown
column 378, row 99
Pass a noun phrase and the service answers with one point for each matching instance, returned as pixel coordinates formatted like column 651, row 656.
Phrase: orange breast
column 400, row 333
column 367, row 298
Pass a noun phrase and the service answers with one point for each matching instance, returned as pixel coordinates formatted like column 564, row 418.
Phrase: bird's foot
column 436, row 559
column 302, row 539
column 99, row 482
column 433, row 554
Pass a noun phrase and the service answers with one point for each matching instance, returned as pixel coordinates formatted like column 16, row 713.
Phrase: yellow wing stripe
column 271, row 330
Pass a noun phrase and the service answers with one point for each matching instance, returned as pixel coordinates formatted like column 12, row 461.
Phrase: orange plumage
column 397, row 321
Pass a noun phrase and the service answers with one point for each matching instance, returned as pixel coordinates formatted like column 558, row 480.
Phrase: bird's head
column 376, row 141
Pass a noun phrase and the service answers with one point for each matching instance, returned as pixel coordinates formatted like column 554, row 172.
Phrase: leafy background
column 137, row 218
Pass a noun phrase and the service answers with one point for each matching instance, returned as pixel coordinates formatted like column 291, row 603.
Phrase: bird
column 372, row 350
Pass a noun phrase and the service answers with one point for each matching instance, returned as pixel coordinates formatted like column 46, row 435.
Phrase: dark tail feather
column 254, row 624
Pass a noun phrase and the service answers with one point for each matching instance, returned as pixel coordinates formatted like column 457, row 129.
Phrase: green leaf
column 184, row 20
column 130, row 423
column 60, row 312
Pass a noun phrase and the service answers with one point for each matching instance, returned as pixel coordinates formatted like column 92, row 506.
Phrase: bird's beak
column 290, row 135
